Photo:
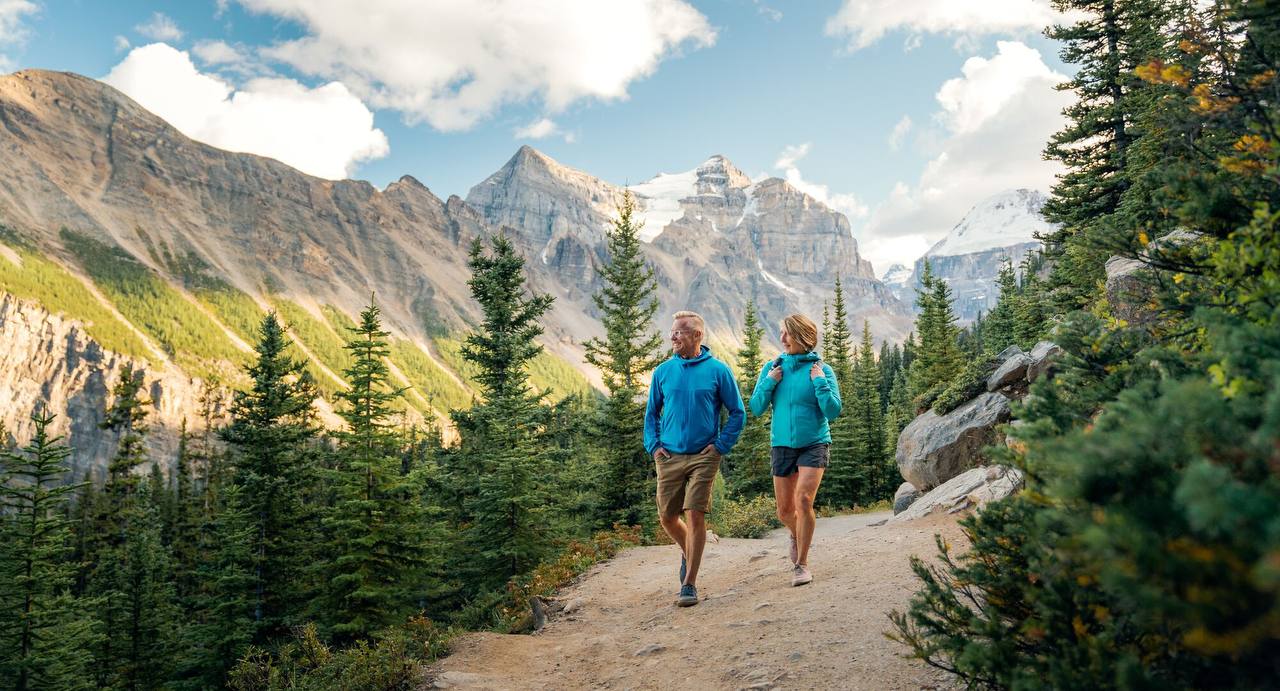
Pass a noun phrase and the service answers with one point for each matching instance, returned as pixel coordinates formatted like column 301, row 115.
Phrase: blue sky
column 809, row 90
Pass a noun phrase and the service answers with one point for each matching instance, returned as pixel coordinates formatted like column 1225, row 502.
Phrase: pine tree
column 377, row 534
column 630, row 348
column 1107, row 44
column 937, row 358
column 503, row 459
column 868, row 423
column 845, row 472
column 46, row 633
column 750, row 467
column 1000, row 322
column 272, row 429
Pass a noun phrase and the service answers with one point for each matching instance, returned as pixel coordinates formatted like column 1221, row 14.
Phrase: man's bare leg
column 806, row 519
column 695, row 540
column 676, row 529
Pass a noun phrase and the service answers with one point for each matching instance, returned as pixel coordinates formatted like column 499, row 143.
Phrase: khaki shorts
column 684, row 482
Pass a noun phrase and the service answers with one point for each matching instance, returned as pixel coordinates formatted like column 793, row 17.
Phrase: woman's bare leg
column 806, row 487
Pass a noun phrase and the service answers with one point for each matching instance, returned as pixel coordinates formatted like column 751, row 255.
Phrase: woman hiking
column 803, row 392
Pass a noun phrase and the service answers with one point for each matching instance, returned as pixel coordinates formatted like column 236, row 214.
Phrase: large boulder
column 904, row 497
column 1042, row 357
column 1012, row 368
column 970, row 489
column 1128, row 289
column 935, row 448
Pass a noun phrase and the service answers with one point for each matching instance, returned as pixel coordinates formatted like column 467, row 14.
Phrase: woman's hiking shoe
column 683, row 569
column 688, row 596
column 800, row 575
column 795, row 549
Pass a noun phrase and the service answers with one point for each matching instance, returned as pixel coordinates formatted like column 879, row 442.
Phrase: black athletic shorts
column 786, row 459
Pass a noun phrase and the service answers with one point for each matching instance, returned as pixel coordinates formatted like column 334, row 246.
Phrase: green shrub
column 968, row 383
column 747, row 518
column 393, row 661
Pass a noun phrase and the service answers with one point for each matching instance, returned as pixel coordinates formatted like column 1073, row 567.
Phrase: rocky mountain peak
column 717, row 175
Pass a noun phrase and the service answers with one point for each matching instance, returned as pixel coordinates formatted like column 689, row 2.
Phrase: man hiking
column 682, row 432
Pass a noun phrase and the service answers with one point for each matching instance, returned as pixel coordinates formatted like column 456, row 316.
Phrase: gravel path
column 621, row 629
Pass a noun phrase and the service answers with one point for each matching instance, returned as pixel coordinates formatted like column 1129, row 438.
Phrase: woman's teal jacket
column 801, row 407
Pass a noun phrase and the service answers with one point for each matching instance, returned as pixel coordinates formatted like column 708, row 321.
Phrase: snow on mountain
column 897, row 275
column 1009, row 218
column 660, row 200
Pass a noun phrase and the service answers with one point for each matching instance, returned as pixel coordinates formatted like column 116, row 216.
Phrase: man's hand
column 711, row 449
column 816, row 371
column 661, row 454
column 776, row 373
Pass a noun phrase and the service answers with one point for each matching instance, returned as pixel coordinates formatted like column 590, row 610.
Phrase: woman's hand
column 776, row 373
column 816, row 371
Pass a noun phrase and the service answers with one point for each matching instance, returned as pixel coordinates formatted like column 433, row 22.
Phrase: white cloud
column 846, row 204
column 12, row 32
column 772, row 14
column 899, row 132
column 543, row 128
column 863, row 22
column 453, row 63
column 160, row 28
column 216, row 53
column 122, row 43
column 994, row 122
column 324, row 131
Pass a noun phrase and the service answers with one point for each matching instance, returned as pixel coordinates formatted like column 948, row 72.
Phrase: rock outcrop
column 935, row 448
column 906, row 495
column 49, row 362
column 971, row 489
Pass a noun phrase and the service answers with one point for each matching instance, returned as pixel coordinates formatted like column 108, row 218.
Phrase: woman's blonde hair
column 802, row 330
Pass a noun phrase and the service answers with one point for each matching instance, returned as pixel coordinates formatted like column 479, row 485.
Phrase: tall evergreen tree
column 868, row 423
column 937, row 358
column 1000, row 322
column 272, row 431
column 750, row 467
column 378, row 535
column 46, row 633
column 631, row 347
column 504, row 455
column 841, row 481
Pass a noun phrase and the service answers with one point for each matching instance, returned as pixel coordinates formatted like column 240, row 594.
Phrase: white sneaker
column 800, row 575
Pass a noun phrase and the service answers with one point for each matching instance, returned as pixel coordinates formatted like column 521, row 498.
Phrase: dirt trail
column 751, row 631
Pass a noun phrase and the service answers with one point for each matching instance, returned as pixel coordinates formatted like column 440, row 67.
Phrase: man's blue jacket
column 685, row 398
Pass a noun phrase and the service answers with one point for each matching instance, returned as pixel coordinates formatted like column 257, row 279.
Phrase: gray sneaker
column 688, row 596
column 795, row 548
column 800, row 575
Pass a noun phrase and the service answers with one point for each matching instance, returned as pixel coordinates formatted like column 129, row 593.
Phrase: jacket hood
column 811, row 356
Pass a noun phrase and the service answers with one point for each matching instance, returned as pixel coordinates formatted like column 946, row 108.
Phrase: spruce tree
column 937, row 358
column 272, row 431
column 750, row 467
column 503, row 459
column 1000, row 322
column 377, row 533
column 868, row 422
column 631, row 347
column 46, row 633
column 840, row 484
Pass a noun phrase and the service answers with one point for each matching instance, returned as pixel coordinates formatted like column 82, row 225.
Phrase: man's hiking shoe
column 795, row 549
column 683, row 569
column 800, row 575
column 688, row 596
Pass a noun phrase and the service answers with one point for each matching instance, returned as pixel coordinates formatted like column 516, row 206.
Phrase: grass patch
column 56, row 290
column 193, row 340
column 440, row 390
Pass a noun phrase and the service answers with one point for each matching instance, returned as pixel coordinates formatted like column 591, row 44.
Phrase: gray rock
column 1013, row 367
column 650, row 649
column 574, row 605
column 1128, row 290
column 935, row 448
column 1042, row 357
column 973, row 488
column 906, row 494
